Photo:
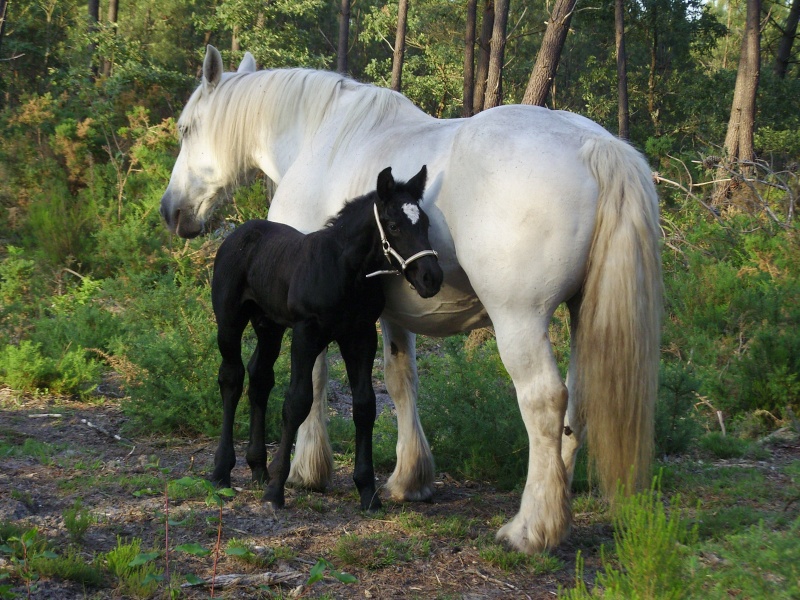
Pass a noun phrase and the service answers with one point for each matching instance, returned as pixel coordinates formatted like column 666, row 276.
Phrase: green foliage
column 134, row 570
column 728, row 446
column 467, row 403
column 651, row 544
column 512, row 560
column 675, row 426
column 77, row 520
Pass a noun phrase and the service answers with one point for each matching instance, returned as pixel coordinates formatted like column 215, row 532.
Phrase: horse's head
column 202, row 171
column 405, row 231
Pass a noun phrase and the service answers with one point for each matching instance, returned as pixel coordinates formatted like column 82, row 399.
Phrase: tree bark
column 399, row 46
column 469, row 58
column 484, row 49
column 344, row 37
column 94, row 19
column 494, row 79
column 623, row 113
column 544, row 70
column 739, row 140
column 788, row 34
column 3, row 13
column 113, row 11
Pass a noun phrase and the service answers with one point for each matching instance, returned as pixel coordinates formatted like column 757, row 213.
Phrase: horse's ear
column 248, row 64
column 212, row 69
column 385, row 184
column 416, row 185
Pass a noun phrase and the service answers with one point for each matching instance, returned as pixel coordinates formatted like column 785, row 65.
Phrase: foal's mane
column 283, row 98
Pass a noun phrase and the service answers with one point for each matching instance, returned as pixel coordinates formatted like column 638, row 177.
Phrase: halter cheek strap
column 389, row 251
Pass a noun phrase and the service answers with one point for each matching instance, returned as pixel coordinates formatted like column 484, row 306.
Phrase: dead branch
column 107, row 433
column 247, row 580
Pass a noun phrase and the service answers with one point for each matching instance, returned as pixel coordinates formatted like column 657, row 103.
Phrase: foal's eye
column 393, row 227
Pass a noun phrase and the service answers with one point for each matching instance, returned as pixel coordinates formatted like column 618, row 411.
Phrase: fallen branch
column 245, row 580
column 46, row 416
column 109, row 434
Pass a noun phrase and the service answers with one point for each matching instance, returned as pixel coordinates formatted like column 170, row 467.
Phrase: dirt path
column 441, row 549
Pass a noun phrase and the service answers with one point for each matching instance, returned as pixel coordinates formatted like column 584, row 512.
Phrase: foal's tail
column 618, row 326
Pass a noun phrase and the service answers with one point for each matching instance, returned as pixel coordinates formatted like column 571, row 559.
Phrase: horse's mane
column 284, row 97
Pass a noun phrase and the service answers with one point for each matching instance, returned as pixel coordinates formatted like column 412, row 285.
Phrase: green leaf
column 238, row 551
column 48, row 554
column 317, row 572
column 143, row 558
column 227, row 492
column 153, row 577
column 194, row 579
column 344, row 577
column 193, row 548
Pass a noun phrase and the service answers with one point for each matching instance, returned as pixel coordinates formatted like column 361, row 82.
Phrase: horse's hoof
column 274, row 499
column 372, row 503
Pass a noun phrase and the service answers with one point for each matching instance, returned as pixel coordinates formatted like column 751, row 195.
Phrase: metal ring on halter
column 388, row 250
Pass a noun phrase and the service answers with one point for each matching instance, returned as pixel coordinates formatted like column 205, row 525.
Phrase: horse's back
column 521, row 203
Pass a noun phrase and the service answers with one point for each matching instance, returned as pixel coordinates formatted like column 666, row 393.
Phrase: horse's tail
column 618, row 326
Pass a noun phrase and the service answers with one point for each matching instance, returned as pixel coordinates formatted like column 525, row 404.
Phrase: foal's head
column 405, row 229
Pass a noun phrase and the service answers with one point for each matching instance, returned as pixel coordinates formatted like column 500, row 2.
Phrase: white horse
column 529, row 208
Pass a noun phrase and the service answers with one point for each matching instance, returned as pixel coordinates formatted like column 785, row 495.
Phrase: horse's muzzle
column 180, row 222
column 425, row 276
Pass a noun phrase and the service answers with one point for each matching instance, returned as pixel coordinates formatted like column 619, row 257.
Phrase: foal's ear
column 212, row 69
column 248, row 64
column 416, row 185
column 385, row 184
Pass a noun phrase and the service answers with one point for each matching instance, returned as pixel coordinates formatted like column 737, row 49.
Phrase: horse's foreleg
column 306, row 346
column 262, row 379
column 544, row 516
column 413, row 475
column 231, row 381
column 358, row 351
column 312, row 466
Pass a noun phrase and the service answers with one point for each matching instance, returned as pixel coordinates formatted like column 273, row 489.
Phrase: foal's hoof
column 274, row 498
column 371, row 502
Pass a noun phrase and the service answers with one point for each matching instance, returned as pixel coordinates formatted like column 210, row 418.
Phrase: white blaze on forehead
column 412, row 212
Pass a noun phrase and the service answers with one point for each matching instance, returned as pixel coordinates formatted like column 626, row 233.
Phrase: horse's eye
column 393, row 227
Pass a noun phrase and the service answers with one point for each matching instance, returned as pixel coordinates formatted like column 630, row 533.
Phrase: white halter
column 388, row 250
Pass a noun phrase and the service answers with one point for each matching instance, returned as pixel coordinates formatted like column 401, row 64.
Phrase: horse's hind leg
column 231, row 381
column 307, row 343
column 544, row 516
column 574, row 422
column 358, row 350
column 261, row 381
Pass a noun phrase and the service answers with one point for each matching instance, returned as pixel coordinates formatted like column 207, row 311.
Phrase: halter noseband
column 388, row 250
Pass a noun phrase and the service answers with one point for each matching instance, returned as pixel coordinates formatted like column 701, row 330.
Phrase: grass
column 379, row 550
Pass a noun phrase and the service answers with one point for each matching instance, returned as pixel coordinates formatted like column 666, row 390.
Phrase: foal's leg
column 231, row 380
column 307, row 343
column 413, row 475
column 358, row 351
column 261, row 381
column 544, row 516
column 312, row 465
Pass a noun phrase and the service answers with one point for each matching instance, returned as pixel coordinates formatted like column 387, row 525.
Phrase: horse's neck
column 357, row 245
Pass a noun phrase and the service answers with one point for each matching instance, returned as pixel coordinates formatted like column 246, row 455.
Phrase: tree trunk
column 113, row 10
column 94, row 19
column 652, row 104
column 469, row 58
column 235, row 47
column 484, row 48
column 544, row 70
column 494, row 79
column 788, row 34
column 739, row 140
column 399, row 46
column 3, row 13
column 344, row 37
column 623, row 114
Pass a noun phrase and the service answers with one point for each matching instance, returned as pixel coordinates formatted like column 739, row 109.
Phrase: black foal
column 319, row 284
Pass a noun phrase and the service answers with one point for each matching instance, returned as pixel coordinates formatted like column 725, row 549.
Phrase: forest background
column 95, row 292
